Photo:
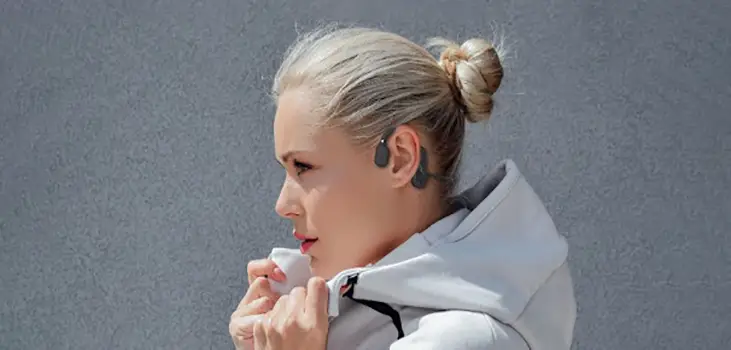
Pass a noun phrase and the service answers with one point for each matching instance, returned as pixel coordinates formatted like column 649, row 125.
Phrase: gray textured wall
column 137, row 174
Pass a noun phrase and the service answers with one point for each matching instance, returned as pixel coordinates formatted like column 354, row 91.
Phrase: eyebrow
column 285, row 157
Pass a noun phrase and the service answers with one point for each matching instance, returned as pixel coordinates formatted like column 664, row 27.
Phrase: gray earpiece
column 421, row 176
column 383, row 157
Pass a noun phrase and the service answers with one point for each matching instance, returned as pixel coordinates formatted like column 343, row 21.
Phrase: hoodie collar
column 418, row 243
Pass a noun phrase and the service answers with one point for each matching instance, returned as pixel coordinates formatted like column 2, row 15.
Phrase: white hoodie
column 492, row 275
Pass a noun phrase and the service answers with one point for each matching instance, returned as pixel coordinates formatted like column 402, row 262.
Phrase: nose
column 288, row 204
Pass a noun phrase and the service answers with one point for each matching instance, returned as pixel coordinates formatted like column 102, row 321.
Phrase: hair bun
column 475, row 72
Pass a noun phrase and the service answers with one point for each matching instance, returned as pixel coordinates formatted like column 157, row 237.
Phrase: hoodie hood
column 491, row 255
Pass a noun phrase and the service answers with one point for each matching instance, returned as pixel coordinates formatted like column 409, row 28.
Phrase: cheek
column 345, row 215
column 332, row 205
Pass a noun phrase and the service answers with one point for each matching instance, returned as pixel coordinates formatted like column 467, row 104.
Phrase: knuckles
column 287, row 326
column 298, row 292
column 260, row 282
column 317, row 283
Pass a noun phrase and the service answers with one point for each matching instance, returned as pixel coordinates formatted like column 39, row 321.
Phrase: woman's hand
column 297, row 321
column 259, row 299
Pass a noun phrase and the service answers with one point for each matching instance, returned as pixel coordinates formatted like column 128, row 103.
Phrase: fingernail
column 279, row 274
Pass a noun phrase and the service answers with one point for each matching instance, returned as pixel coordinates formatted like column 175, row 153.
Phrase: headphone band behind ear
column 383, row 157
column 422, row 174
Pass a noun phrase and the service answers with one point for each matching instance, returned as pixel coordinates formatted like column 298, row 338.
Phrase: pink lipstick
column 306, row 243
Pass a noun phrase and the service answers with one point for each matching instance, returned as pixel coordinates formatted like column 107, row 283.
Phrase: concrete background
column 137, row 174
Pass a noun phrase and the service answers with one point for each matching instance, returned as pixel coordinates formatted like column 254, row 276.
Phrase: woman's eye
column 301, row 167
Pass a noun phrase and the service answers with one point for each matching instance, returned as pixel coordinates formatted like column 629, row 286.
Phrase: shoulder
column 464, row 330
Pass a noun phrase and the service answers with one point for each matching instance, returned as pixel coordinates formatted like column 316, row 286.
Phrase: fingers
column 294, row 318
column 259, row 306
column 278, row 315
column 279, row 323
column 264, row 268
column 316, row 299
column 243, row 326
column 259, row 289
column 243, row 320
column 279, row 308
column 296, row 304
column 260, row 336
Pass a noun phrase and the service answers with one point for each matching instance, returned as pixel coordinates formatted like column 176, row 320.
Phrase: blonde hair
column 366, row 80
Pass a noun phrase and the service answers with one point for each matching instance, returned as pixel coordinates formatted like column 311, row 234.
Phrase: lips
column 306, row 243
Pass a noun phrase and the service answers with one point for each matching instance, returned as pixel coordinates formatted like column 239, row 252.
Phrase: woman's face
column 333, row 192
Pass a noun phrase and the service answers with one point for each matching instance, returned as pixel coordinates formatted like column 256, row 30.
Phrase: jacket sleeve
column 459, row 330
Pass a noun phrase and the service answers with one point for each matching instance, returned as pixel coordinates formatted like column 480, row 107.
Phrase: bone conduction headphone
column 383, row 157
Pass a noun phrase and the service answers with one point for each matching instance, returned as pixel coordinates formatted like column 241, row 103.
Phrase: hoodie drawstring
column 377, row 306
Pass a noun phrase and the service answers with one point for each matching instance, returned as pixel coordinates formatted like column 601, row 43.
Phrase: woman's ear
column 404, row 145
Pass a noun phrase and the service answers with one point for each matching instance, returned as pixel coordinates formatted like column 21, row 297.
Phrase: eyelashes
column 330, row 175
column 301, row 167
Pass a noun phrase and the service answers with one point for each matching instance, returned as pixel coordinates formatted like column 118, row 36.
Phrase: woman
column 370, row 128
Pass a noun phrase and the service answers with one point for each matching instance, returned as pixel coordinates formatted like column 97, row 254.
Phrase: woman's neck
column 412, row 217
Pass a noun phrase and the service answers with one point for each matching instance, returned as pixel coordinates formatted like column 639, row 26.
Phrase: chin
column 319, row 270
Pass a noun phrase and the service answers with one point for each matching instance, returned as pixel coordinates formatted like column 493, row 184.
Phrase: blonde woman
column 370, row 128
